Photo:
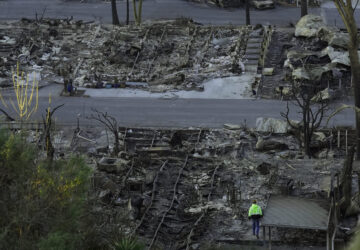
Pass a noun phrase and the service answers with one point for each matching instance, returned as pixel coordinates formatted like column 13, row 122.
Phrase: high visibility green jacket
column 255, row 211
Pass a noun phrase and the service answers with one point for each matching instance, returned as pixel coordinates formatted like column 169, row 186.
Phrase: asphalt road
column 153, row 112
column 160, row 9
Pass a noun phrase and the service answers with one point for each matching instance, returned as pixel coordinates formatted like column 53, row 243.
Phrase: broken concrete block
column 271, row 125
column 232, row 126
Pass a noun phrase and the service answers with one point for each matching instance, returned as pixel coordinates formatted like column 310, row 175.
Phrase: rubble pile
column 316, row 54
column 157, row 56
column 188, row 188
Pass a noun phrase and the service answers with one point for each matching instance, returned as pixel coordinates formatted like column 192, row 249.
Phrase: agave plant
column 128, row 244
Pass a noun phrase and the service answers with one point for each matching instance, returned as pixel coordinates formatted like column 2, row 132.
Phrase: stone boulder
column 295, row 58
column 312, row 72
column 337, row 57
column 334, row 37
column 271, row 125
column 308, row 26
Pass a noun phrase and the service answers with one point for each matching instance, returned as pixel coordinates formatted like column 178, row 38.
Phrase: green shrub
column 355, row 243
column 58, row 241
column 42, row 203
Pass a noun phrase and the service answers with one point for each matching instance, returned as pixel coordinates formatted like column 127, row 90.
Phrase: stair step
column 253, row 51
column 252, row 56
column 255, row 37
column 252, row 62
column 255, row 40
column 253, row 46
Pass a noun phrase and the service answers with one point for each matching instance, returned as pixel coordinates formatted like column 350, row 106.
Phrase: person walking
column 255, row 213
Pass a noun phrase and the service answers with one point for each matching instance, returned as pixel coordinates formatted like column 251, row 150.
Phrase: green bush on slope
column 41, row 202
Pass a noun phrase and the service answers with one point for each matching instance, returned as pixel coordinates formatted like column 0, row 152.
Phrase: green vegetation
column 45, row 204
column 128, row 244
column 41, row 201
column 355, row 244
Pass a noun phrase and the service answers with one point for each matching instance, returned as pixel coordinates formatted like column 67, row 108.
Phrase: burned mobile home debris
column 190, row 188
column 156, row 56
column 178, row 55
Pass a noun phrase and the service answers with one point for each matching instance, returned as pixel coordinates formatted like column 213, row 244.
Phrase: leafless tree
column 110, row 123
column 312, row 112
column 115, row 17
column 347, row 11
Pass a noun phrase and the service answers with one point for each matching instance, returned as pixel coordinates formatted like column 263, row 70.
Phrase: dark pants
column 256, row 226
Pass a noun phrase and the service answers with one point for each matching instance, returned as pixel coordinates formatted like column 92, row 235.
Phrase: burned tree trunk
column 304, row 8
column 47, row 122
column 115, row 17
column 346, row 181
column 247, row 12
